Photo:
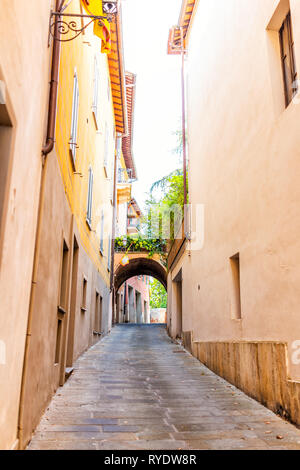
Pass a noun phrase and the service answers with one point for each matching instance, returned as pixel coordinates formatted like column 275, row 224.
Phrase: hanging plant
column 140, row 244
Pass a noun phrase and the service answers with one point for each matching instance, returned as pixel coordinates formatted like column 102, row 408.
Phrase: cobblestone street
column 136, row 389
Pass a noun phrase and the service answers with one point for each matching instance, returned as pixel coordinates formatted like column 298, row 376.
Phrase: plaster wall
column 24, row 60
column 158, row 315
column 44, row 375
column 244, row 167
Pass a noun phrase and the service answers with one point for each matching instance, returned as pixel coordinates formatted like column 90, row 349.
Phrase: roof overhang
column 136, row 207
column 117, row 74
column 123, row 193
column 127, row 142
column 181, row 30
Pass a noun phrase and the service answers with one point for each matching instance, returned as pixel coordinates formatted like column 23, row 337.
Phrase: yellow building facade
column 71, row 299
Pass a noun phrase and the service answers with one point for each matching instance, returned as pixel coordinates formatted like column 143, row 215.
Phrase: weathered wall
column 138, row 309
column 139, row 284
column 158, row 315
column 245, row 169
column 44, row 375
column 24, row 60
column 259, row 369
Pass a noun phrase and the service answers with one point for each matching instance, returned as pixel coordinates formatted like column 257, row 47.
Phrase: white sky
column 158, row 99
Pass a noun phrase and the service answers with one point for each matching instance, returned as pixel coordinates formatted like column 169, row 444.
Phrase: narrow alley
column 149, row 225
column 137, row 389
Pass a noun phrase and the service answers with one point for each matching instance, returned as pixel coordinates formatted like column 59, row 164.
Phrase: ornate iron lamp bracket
column 70, row 23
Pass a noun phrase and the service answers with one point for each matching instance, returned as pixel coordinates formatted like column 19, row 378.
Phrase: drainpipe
column 183, row 117
column 47, row 148
column 113, row 236
column 125, row 300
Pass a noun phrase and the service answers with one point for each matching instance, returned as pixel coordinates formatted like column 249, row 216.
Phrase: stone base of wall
column 187, row 338
column 257, row 368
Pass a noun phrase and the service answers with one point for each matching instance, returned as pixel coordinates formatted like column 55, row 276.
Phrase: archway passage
column 132, row 300
column 140, row 266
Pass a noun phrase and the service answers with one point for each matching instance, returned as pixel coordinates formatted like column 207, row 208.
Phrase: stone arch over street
column 140, row 265
column 131, row 288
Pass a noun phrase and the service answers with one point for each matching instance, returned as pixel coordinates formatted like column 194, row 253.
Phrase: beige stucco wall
column 43, row 376
column 24, row 61
column 244, row 150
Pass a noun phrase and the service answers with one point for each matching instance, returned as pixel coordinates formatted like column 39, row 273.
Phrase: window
column 84, row 289
column 288, row 59
column 106, row 143
column 96, row 317
column 109, row 253
column 6, row 134
column 98, row 314
column 74, row 120
column 235, row 287
column 102, row 233
column 63, row 280
column 58, row 341
column 111, row 189
column 90, row 198
column 96, row 91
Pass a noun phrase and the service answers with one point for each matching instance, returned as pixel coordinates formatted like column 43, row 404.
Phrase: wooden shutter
column 90, row 197
column 288, row 59
column 102, row 233
column 109, row 253
column 74, row 119
column 96, row 91
column 106, row 143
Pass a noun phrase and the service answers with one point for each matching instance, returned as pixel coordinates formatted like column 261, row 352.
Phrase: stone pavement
column 136, row 389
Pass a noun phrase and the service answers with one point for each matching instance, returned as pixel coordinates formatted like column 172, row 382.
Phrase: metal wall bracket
column 70, row 23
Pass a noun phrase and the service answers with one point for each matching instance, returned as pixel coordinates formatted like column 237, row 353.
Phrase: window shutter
column 74, row 120
column 111, row 195
column 96, row 90
column 288, row 59
column 90, row 197
column 109, row 253
column 102, row 233
column 106, row 139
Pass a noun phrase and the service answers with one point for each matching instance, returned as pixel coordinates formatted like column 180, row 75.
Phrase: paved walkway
column 136, row 389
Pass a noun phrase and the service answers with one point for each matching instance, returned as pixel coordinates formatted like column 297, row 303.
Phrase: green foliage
column 163, row 183
column 158, row 295
column 165, row 212
column 139, row 243
column 165, row 204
